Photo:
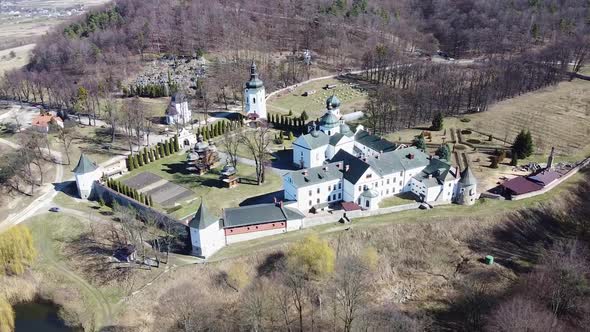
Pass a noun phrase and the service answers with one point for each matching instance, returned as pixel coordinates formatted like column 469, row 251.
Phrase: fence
column 182, row 243
column 337, row 215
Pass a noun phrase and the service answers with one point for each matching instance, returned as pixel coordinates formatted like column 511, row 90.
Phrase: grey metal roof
column 334, row 139
column 258, row 214
column 202, row 218
column 178, row 97
column 374, row 142
column 356, row 167
column 467, row 177
column 345, row 129
column 316, row 139
column 435, row 173
column 315, row 175
column 85, row 165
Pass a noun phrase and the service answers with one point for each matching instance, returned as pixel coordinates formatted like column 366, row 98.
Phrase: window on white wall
column 254, row 100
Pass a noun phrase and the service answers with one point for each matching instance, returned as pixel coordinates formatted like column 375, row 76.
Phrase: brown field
column 22, row 58
column 24, row 30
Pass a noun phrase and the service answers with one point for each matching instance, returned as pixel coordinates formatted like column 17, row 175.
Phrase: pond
column 40, row 316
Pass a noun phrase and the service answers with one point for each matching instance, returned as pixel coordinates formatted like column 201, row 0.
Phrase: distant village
column 14, row 10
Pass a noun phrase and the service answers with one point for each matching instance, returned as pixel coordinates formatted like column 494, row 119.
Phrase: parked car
column 54, row 209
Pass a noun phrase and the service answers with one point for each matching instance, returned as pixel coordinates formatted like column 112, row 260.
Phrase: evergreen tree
column 151, row 203
column 304, row 116
column 166, row 149
column 514, row 161
column 437, row 122
column 523, row 145
column 444, row 152
column 130, row 165
column 171, row 145
column 495, row 162
column 291, row 135
column 139, row 159
column 144, row 157
column 176, row 144
column 290, row 113
column 419, row 142
column 161, row 150
column 118, row 185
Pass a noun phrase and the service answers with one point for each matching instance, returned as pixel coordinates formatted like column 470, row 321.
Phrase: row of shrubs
column 287, row 123
column 218, row 128
column 124, row 189
column 153, row 153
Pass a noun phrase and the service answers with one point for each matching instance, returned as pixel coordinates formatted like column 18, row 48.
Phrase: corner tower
column 86, row 173
column 467, row 188
column 254, row 95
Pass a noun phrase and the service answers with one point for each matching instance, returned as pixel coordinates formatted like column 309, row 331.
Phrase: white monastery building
column 86, row 173
column 255, row 96
column 345, row 166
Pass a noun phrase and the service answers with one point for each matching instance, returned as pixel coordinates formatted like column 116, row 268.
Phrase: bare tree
column 232, row 140
column 257, row 142
column 66, row 136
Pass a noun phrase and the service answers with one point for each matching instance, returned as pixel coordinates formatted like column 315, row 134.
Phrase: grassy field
column 401, row 199
column 352, row 98
column 21, row 58
column 208, row 185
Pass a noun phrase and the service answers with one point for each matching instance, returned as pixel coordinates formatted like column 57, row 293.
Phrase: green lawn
column 208, row 185
column 315, row 105
column 401, row 199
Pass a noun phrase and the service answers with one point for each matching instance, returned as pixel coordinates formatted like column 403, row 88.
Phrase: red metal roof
column 521, row 185
column 545, row 177
column 350, row 206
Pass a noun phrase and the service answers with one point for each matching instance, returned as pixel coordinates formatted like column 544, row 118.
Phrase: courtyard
column 175, row 189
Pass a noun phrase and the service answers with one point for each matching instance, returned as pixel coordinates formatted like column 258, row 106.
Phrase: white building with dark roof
column 178, row 111
column 367, row 179
column 86, row 173
column 255, row 96
column 330, row 135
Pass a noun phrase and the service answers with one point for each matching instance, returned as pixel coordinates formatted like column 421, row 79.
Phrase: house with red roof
column 43, row 121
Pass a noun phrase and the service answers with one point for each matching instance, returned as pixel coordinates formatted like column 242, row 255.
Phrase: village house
column 43, row 122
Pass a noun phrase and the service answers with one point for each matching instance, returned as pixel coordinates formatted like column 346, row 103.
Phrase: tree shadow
column 273, row 263
column 264, row 198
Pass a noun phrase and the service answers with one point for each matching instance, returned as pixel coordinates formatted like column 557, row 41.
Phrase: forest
column 98, row 52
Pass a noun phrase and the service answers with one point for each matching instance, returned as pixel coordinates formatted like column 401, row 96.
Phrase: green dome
column 329, row 120
column 370, row 193
column 254, row 82
column 332, row 102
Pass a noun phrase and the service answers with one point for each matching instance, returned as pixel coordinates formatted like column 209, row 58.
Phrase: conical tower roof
column 85, row 165
column 202, row 218
column 467, row 177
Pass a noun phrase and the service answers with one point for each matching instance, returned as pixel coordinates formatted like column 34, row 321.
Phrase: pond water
column 39, row 316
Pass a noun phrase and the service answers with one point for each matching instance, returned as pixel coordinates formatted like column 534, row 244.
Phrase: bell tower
column 254, row 95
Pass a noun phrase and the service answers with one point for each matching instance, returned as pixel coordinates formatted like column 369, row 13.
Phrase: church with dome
column 330, row 135
column 339, row 165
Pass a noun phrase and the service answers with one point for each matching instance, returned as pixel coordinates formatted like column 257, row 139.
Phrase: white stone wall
column 84, row 182
column 293, row 225
column 207, row 241
column 308, row 196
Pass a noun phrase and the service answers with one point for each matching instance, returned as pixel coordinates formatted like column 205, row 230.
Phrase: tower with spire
column 86, row 173
column 206, row 232
column 254, row 95
column 467, row 188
